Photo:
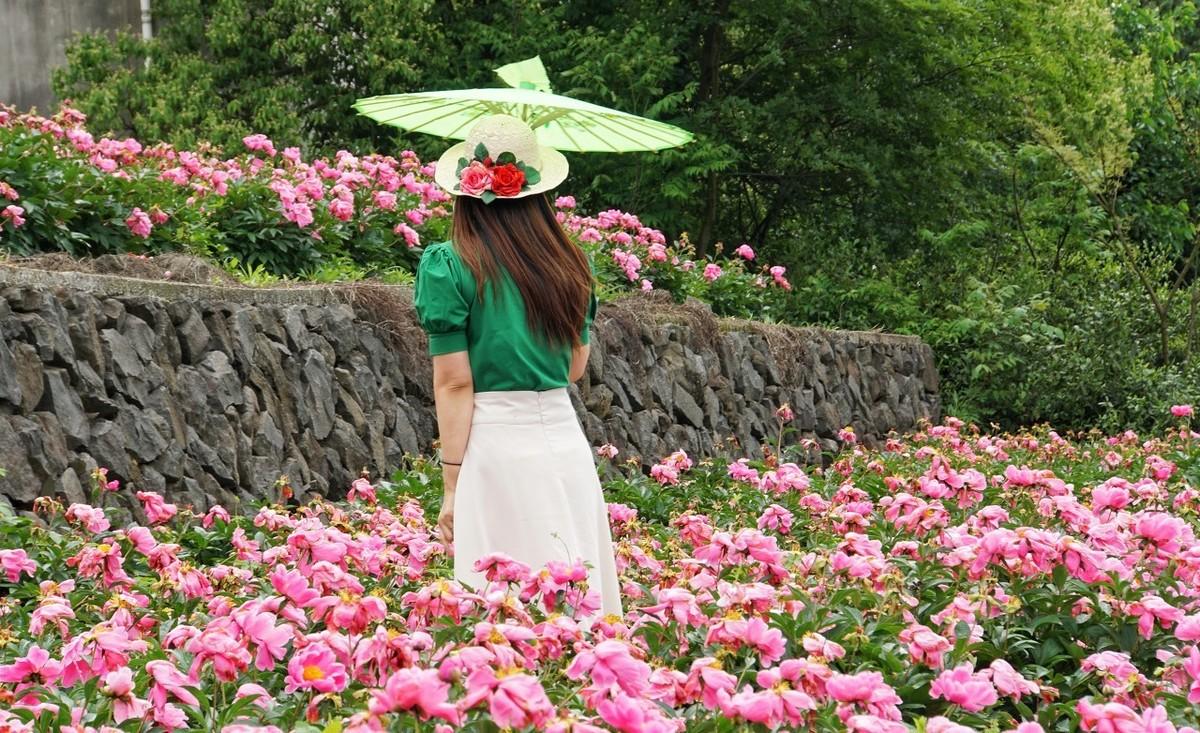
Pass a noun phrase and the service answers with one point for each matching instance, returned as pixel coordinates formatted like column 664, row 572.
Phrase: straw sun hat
column 500, row 158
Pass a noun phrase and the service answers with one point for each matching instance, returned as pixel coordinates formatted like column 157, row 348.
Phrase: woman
column 507, row 306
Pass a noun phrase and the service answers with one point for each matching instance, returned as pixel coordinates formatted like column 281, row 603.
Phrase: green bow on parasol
column 560, row 122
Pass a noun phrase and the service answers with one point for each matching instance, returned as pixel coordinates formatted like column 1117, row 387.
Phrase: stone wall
column 209, row 393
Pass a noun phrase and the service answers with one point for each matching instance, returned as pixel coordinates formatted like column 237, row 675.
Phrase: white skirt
column 528, row 488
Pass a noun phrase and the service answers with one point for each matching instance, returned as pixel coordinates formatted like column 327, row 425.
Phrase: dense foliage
column 1014, row 180
column 956, row 581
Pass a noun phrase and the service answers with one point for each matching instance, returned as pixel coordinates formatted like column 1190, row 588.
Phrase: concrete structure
column 34, row 36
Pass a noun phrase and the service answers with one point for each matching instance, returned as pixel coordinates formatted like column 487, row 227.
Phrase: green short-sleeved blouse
column 505, row 355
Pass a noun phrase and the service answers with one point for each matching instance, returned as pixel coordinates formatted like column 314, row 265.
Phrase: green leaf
column 506, row 158
column 487, row 197
column 480, row 151
column 532, row 177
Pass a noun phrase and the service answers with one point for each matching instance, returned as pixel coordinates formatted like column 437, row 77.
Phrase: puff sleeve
column 441, row 301
column 585, row 336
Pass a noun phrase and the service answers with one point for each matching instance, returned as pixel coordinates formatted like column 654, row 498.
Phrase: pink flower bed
column 950, row 581
column 63, row 188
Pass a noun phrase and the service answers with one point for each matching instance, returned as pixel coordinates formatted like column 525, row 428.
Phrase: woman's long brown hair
column 523, row 237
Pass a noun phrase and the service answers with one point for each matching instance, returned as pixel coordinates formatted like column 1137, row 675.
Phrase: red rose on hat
column 507, row 180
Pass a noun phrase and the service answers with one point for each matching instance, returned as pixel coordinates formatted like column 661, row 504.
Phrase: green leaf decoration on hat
column 506, row 158
column 481, row 152
column 532, row 177
column 462, row 164
column 488, row 197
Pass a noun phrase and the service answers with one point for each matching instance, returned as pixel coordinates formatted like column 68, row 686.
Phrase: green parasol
column 560, row 122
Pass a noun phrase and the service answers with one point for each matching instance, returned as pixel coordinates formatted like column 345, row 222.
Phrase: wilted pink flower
column 519, row 701
column 342, row 209
column 777, row 274
column 157, row 509
column 258, row 141
column 166, row 681
column 216, row 512
column 942, row 724
column 664, row 474
column 611, row 663
column 925, row 645
column 14, row 213
column 776, row 518
column 118, row 685
column 361, row 488
column 864, row 691
column 411, row 238
column 1009, row 681
column 15, row 562
column 36, row 667
column 818, row 646
column 608, row 451
column 260, row 627
column 420, row 690
column 139, row 223
column 385, row 200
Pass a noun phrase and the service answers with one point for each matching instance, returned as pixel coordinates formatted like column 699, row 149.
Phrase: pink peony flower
column 1181, row 410
column 712, row 271
column 315, row 668
column 964, row 687
column 745, row 252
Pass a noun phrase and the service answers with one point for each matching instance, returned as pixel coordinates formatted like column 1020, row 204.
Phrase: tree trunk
column 709, row 90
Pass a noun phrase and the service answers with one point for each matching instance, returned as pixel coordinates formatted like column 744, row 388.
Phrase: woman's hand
column 446, row 515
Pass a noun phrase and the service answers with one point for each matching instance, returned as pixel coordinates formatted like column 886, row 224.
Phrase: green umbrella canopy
column 560, row 122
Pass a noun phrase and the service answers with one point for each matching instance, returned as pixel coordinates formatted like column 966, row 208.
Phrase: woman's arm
column 454, row 395
column 579, row 360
